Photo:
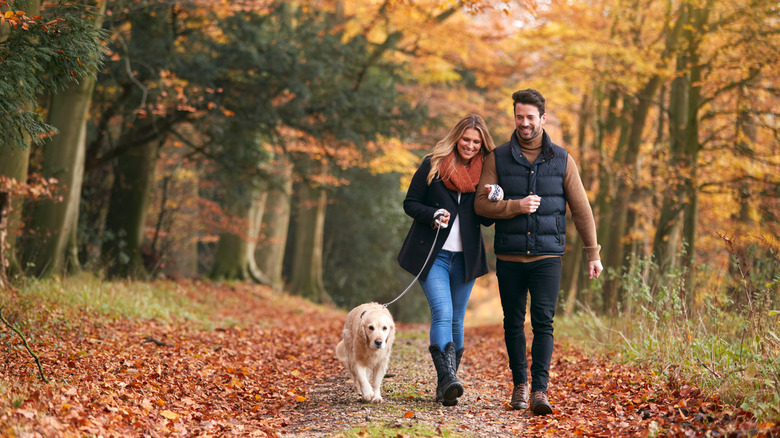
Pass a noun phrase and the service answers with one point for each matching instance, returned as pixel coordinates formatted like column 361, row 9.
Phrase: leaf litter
column 268, row 369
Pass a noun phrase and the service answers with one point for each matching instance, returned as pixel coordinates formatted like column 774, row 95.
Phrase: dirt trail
column 590, row 396
column 408, row 392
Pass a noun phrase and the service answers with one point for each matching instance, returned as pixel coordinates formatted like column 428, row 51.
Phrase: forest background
column 273, row 142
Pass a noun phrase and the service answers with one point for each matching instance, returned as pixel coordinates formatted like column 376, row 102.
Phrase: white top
column 454, row 242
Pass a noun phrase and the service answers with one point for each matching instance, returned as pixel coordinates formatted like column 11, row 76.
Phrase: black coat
column 421, row 203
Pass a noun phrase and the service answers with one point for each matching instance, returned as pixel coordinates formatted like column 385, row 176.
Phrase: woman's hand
column 495, row 192
column 441, row 218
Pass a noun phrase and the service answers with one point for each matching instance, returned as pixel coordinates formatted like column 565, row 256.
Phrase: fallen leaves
column 110, row 379
column 170, row 415
column 255, row 378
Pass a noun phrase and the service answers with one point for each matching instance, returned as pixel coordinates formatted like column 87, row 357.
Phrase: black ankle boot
column 458, row 355
column 448, row 388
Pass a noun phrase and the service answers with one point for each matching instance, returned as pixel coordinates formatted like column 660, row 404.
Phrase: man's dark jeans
column 541, row 279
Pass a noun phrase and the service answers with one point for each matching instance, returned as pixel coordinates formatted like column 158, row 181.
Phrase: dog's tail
column 341, row 351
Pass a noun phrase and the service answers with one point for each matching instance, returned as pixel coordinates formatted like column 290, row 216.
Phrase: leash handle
column 384, row 306
column 437, row 217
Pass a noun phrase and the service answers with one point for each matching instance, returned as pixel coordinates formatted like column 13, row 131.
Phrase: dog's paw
column 376, row 399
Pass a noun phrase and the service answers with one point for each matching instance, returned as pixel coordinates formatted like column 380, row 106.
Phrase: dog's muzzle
column 378, row 343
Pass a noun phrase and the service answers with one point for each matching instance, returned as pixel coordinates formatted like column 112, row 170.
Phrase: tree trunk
column 276, row 221
column 674, row 199
column 5, row 205
column 54, row 221
column 306, row 278
column 626, row 184
column 602, row 205
column 13, row 165
column 126, row 218
column 230, row 261
column 680, row 203
column 179, row 247
column 692, row 148
column 235, row 251
column 255, row 225
column 573, row 257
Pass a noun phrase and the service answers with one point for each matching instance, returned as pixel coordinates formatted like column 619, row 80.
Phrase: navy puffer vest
column 544, row 231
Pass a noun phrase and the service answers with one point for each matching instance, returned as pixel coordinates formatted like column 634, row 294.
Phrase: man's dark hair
column 530, row 97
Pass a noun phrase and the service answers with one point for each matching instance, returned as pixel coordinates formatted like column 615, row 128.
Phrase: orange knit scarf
column 458, row 177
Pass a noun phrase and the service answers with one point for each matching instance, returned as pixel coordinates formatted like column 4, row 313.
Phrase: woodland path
column 266, row 367
column 590, row 396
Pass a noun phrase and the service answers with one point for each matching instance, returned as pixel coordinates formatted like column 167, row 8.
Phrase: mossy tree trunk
column 14, row 166
column 276, row 221
column 128, row 208
column 54, row 221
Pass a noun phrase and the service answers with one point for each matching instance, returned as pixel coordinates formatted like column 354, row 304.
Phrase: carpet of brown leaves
column 271, row 371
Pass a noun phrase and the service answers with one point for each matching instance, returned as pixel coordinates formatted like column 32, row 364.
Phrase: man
column 538, row 179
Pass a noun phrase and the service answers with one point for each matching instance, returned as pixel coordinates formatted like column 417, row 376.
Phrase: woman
column 441, row 199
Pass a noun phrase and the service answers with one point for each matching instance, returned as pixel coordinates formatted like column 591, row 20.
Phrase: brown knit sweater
column 574, row 191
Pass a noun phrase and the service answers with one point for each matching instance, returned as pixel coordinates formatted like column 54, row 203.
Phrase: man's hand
column 594, row 269
column 530, row 204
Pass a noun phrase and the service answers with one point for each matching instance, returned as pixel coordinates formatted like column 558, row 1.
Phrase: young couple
column 523, row 187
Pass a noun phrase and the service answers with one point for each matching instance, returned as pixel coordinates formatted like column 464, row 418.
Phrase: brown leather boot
column 539, row 403
column 520, row 396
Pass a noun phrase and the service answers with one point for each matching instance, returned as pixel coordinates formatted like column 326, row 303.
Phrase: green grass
column 62, row 298
column 406, row 428
column 717, row 346
column 11, row 394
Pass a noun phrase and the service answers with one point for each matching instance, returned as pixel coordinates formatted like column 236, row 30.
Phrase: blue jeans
column 516, row 281
column 447, row 297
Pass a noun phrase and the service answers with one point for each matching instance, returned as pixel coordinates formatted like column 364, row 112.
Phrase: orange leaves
column 36, row 188
column 18, row 19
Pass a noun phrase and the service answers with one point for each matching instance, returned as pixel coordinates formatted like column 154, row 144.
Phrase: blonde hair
column 449, row 143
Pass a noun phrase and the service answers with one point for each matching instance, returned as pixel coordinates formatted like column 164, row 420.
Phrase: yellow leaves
column 409, row 414
column 393, row 157
column 235, row 383
column 173, row 416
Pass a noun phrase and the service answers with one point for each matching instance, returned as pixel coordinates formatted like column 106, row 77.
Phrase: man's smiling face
column 528, row 122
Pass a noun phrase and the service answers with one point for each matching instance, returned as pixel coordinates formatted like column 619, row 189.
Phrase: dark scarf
column 460, row 178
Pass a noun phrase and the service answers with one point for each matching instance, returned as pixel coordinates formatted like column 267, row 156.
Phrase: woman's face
column 469, row 145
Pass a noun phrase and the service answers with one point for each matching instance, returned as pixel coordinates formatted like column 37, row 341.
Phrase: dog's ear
column 391, row 336
column 363, row 332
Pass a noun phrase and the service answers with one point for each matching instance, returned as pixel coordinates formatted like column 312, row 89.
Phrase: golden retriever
column 365, row 347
